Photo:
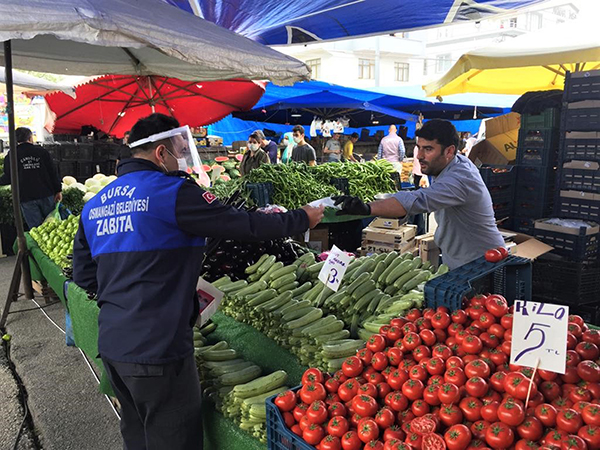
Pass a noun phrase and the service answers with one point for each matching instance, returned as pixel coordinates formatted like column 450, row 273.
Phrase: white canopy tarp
column 127, row 37
column 28, row 83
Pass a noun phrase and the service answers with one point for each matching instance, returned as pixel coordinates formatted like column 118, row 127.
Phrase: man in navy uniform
column 139, row 246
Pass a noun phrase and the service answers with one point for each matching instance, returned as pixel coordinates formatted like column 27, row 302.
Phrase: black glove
column 353, row 206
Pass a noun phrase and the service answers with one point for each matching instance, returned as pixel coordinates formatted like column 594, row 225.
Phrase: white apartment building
column 417, row 57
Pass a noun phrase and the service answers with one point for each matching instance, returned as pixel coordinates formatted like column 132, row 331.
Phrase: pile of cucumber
column 236, row 386
column 377, row 288
column 322, row 328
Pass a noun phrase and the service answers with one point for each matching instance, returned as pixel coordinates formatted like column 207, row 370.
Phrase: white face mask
column 253, row 147
column 182, row 164
column 297, row 140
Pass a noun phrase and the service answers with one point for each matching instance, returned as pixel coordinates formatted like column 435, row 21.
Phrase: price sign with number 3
column 539, row 335
column 334, row 268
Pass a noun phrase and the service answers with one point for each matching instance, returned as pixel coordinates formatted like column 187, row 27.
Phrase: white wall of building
column 437, row 48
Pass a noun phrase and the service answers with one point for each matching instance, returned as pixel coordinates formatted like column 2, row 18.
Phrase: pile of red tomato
column 434, row 380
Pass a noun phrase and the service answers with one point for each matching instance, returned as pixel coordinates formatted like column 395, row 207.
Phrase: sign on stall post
column 334, row 268
column 539, row 335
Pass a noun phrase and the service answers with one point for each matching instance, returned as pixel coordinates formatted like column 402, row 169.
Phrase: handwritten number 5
column 532, row 328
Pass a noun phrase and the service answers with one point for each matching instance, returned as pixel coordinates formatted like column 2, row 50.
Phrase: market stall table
column 219, row 432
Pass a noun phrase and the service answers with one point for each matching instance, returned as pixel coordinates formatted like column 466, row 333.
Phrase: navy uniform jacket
column 140, row 245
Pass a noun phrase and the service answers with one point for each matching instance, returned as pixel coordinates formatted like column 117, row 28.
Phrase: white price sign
column 334, row 268
column 539, row 335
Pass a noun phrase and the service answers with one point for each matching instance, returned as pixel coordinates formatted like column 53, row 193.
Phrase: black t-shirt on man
column 38, row 177
column 304, row 153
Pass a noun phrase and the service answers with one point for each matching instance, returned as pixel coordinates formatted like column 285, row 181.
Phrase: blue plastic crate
column 576, row 247
column 535, row 209
column 577, row 205
column 582, row 86
column 581, row 179
column 279, row 436
column 510, row 277
column 502, row 195
column 538, row 175
column 522, row 225
column 503, row 210
column 581, row 116
column 534, row 192
column 538, row 146
column 498, row 176
column 581, row 146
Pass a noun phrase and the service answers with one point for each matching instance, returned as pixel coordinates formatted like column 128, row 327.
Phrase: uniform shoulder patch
column 209, row 197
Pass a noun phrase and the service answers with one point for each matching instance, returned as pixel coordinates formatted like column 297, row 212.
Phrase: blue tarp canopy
column 232, row 129
column 276, row 22
column 300, row 103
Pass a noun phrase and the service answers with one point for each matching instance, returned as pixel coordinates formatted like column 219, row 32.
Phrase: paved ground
column 68, row 412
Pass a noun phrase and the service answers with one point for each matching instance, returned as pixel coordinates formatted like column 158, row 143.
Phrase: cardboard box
column 525, row 246
column 319, row 238
column 543, row 225
column 388, row 224
column 584, row 165
column 426, row 242
column 500, row 144
column 433, row 256
column 390, row 236
column 383, row 247
column 580, row 194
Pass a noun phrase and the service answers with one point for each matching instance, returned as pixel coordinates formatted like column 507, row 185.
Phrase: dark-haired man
column 39, row 185
column 303, row 151
column 458, row 196
column 140, row 246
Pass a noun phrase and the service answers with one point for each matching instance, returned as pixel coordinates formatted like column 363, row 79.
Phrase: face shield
column 183, row 148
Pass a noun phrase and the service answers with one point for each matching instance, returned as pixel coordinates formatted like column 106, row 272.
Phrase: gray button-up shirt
column 463, row 210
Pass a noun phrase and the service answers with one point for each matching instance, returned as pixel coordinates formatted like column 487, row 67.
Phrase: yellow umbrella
column 531, row 62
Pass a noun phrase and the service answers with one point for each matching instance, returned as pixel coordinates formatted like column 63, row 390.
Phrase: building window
column 535, row 21
column 443, row 63
column 425, row 68
column 315, row 68
column 512, row 23
column 366, row 69
column 401, row 70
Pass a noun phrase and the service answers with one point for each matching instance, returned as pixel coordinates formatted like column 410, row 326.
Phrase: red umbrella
column 114, row 103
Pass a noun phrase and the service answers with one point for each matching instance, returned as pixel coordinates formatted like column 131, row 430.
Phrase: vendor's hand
column 58, row 197
column 353, row 206
column 315, row 215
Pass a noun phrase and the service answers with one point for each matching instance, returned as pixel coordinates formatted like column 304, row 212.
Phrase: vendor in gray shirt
column 333, row 149
column 458, row 196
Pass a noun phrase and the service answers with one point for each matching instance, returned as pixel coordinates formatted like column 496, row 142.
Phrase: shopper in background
column 416, row 170
column 287, row 146
column 458, row 196
column 333, row 149
column 349, row 148
column 391, row 148
column 254, row 156
column 144, row 265
column 39, row 185
column 269, row 147
column 303, row 151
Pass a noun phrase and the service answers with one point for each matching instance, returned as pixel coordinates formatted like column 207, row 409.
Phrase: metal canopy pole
column 22, row 264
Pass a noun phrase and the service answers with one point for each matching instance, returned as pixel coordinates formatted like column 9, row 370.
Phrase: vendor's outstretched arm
column 390, row 207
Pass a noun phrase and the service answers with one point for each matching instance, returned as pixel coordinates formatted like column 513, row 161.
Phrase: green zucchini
column 363, row 302
column 221, row 281
column 342, row 349
column 361, row 280
column 261, row 385
column 406, row 277
column 417, row 280
column 286, row 279
column 266, row 264
column 302, row 289
column 241, row 376
column 400, row 270
column 263, row 297
column 253, row 288
column 254, row 267
column 315, row 268
column 316, row 314
column 233, row 287
column 274, row 267
column 219, row 355
column 288, row 287
column 395, row 263
column 363, row 289
column 281, row 272
column 297, row 313
column 335, row 336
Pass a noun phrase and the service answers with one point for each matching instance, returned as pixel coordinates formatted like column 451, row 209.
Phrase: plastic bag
column 59, row 213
